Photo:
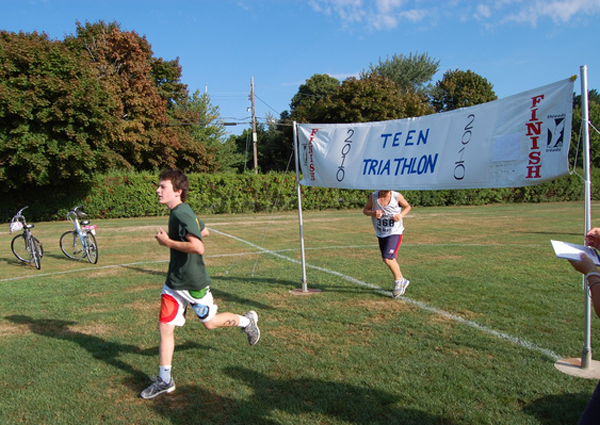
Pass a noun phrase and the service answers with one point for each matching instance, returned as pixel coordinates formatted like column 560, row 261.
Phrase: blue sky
column 221, row 44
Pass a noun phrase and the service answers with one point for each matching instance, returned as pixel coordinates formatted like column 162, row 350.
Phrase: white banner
column 521, row 140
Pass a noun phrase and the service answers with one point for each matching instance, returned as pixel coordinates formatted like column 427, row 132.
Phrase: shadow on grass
column 13, row 262
column 258, row 280
column 315, row 400
column 144, row 270
column 99, row 348
column 553, row 234
column 558, row 409
column 290, row 285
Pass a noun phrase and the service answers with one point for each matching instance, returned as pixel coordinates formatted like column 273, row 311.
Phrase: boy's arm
column 367, row 210
column 191, row 245
column 405, row 207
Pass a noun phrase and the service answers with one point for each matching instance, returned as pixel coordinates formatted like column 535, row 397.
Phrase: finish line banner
column 521, row 140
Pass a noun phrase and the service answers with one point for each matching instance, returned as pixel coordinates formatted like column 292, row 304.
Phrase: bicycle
column 25, row 246
column 80, row 242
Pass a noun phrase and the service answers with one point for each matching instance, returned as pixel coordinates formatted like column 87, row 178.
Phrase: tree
column 123, row 61
column 372, row 98
column 576, row 131
column 97, row 100
column 243, row 146
column 460, row 89
column 412, row 73
column 167, row 79
column 152, row 101
column 54, row 113
column 209, row 132
column 276, row 146
column 316, row 89
column 274, row 142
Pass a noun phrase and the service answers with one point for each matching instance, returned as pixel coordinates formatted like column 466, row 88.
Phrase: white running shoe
column 400, row 288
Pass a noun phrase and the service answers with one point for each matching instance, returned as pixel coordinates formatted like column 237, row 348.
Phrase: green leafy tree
column 244, row 146
column 228, row 157
column 196, row 121
column 54, row 113
column 154, row 107
column 316, row 89
column 460, row 89
column 576, row 147
column 209, row 133
column 276, row 145
column 373, row 98
column 412, row 73
column 123, row 61
column 167, row 79
column 97, row 100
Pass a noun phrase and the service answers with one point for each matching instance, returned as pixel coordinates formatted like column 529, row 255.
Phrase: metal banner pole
column 304, row 290
column 586, row 355
column 584, row 367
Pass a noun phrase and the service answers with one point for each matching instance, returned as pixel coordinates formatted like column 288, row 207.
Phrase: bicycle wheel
column 39, row 245
column 19, row 248
column 34, row 249
column 70, row 245
column 91, row 248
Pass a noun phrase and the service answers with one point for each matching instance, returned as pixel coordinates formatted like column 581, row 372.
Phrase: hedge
column 132, row 194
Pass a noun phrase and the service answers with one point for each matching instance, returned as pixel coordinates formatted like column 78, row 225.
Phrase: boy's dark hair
column 178, row 180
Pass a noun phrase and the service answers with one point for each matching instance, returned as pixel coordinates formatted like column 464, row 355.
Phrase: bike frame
column 83, row 231
column 74, row 218
column 35, row 253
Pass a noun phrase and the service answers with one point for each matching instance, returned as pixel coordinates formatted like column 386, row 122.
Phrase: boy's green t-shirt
column 186, row 271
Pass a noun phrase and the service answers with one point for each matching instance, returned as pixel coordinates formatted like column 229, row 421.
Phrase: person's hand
column 378, row 213
column 585, row 265
column 592, row 238
column 397, row 217
column 162, row 237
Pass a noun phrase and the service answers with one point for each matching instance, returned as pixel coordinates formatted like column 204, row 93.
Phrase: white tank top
column 386, row 226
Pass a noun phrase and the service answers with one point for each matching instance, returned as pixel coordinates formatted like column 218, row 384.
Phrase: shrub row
column 132, row 194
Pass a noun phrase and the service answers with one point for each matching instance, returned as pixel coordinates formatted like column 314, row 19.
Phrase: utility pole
column 254, row 137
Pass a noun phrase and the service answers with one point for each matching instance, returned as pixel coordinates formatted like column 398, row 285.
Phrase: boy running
column 188, row 282
column 387, row 209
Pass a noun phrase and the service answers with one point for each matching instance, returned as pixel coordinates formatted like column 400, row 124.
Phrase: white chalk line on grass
column 112, row 266
column 421, row 305
column 242, row 254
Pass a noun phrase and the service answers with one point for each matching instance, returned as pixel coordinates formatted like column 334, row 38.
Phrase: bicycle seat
column 85, row 222
column 29, row 226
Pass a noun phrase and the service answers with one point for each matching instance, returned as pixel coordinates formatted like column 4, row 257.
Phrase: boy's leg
column 163, row 383
column 248, row 323
column 206, row 310
column 167, row 344
column 222, row 320
column 389, row 252
column 394, row 267
column 171, row 315
column 400, row 283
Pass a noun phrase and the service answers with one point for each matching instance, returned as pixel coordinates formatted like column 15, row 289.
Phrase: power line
column 269, row 106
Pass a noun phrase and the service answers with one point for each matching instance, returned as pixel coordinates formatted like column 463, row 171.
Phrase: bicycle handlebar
column 18, row 218
column 20, row 211
column 77, row 212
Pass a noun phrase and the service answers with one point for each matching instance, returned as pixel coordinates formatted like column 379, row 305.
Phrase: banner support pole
column 584, row 367
column 586, row 355
column 304, row 290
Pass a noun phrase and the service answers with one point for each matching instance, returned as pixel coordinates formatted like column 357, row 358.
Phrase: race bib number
column 385, row 224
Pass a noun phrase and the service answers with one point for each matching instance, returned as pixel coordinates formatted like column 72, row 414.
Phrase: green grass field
column 474, row 340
